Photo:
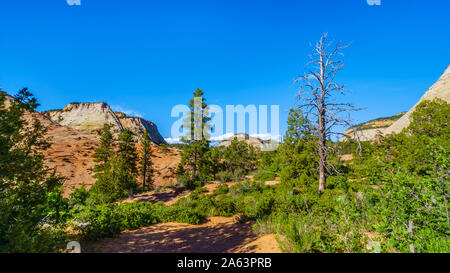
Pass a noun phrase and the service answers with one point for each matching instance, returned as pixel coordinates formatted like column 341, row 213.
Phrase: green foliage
column 296, row 156
column 431, row 119
column 221, row 189
column 238, row 156
column 145, row 163
column 27, row 185
column 105, row 151
column 195, row 165
column 108, row 220
column 116, row 174
column 265, row 176
column 413, row 211
column 115, row 182
column 127, row 152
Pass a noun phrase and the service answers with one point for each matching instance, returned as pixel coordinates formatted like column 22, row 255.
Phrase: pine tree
column 116, row 176
column 127, row 152
column 194, row 163
column 145, row 163
column 197, row 122
column 104, row 152
column 296, row 155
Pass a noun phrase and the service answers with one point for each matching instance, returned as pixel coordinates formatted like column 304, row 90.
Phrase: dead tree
column 317, row 97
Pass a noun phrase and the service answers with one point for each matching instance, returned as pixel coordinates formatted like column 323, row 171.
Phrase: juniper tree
column 317, row 96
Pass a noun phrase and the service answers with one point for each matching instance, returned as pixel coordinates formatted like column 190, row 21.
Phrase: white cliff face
column 441, row 90
column 138, row 125
column 91, row 117
column 86, row 117
column 255, row 142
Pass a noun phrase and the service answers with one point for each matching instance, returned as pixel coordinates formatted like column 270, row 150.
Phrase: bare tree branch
column 316, row 97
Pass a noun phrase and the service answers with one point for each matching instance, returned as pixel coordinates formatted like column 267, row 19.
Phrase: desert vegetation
column 390, row 195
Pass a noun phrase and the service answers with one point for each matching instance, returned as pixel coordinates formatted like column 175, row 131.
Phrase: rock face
column 138, row 125
column 393, row 125
column 369, row 130
column 441, row 90
column 70, row 152
column 86, row 117
column 91, row 117
column 255, row 142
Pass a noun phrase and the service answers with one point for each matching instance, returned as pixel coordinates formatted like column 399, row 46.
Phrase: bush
column 246, row 187
column 264, row 176
column 108, row 220
column 413, row 212
column 221, row 189
column 186, row 182
column 224, row 176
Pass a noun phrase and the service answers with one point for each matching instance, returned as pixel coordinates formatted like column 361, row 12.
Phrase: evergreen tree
column 104, row 152
column 145, row 163
column 127, row 152
column 296, row 153
column 197, row 122
column 25, row 181
column 194, row 163
column 116, row 178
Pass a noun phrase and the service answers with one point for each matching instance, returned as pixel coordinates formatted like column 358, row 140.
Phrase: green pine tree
column 145, row 163
column 127, row 152
column 104, row 152
column 194, row 163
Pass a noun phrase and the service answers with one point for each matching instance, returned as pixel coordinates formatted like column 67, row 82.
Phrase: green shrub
column 224, row 176
column 246, row 187
column 264, row 176
column 109, row 220
column 221, row 189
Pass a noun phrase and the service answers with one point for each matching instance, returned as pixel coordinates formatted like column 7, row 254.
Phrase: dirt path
column 168, row 196
column 218, row 235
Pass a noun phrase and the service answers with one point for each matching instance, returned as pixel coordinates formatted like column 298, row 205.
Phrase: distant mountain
column 440, row 89
column 72, row 146
column 91, row 117
column 255, row 142
column 369, row 130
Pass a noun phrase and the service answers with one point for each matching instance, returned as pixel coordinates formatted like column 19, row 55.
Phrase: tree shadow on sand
column 223, row 237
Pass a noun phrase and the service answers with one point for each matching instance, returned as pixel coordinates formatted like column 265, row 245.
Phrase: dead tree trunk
column 322, row 153
column 317, row 97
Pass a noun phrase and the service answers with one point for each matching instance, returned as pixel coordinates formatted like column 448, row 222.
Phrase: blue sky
column 147, row 56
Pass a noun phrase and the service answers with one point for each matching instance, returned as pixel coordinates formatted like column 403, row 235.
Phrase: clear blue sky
column 147, row 56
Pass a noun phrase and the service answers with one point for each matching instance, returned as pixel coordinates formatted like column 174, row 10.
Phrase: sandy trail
column 217, row 235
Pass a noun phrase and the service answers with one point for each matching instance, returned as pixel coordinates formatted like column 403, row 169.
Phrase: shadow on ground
column 218, row 235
